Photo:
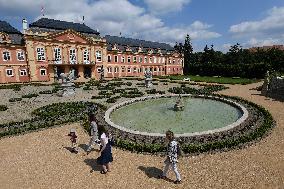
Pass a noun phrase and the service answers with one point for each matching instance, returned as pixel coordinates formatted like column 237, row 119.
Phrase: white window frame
column 6, row 54
column 174, row 61
column 23, row 71
column 129, row 69
column 40, row 54
column 99, row 56
column 12, row 72
column 170, row 61
column 20, row 56
column 134, row 59
column 150, row 60
column 163, row 60
column 57, row 55
column 109, row 69
column 99, row 69
column 155, row 60
column 86, row 56
column 115, row 58
column 108, row 58
column 123, row 59
column 128, row 59
column 140, row 59
column 123, row 69
column 116, row 69
column 145, row 59
column 72, row 56
column 42, row 69
column 134, row 69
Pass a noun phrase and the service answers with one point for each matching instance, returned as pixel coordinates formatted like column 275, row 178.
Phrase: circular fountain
column 153, row 115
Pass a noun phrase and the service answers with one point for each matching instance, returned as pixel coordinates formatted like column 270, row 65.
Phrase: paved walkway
column 42, row 160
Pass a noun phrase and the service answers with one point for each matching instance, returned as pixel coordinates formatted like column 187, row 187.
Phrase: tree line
column 237, row 62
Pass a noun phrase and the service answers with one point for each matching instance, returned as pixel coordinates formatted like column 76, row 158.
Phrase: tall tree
column 188, row 54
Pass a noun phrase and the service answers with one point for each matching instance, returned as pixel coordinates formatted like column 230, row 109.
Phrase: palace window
column 163, row 60
column 116, row 69
column 145, row 59
column 155, row 69
column 115, row 58
column 150, row 60
column 86, row 56
column 174, row 61
column 108, row 58
column 23, row 72
column 72, row 56
column 43, row 72
column 159, row 60
column 99, row 69
column 57, row 55
column 129, row 70
column 155, row 59
column 134, row 59
column 170, row 61
column 134, row 69
column 9, row 72
column 122, row 59
column 99, row 56
column 128, row 59
column 140, row 59
column 123, row 69
column 6, row 56
column 40, row 54
column 20, row 55
column 109, row 69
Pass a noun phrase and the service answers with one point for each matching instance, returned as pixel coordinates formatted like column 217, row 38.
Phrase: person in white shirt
column 106, row 153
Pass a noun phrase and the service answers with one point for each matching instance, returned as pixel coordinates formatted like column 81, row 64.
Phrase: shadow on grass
column 93, row 164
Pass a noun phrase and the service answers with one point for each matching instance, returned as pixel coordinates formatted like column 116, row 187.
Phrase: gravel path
column 42, row 160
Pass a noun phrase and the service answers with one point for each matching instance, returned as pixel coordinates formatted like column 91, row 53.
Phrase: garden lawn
column 209, row 79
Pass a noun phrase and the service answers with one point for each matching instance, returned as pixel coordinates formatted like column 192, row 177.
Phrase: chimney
column 25, row 25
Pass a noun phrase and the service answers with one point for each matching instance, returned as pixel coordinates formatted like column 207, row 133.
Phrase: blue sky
column 219, row 22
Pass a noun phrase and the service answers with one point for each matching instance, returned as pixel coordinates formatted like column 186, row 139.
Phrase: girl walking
column 172, row 157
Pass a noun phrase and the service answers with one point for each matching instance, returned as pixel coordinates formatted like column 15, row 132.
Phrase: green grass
column 209, row 79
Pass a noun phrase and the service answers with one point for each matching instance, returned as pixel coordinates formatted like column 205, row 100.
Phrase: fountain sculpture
column 148, row 78
column 67, row 85
column 179, row 105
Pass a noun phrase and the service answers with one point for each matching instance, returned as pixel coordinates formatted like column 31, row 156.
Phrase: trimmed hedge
column 3, row 108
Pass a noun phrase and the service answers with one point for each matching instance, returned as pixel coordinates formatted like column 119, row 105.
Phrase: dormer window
column 20, row 56
column 86, row 56
column 6, row 56
column 40, row 54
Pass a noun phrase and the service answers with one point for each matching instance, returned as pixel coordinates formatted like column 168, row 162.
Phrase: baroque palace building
column 50, row 47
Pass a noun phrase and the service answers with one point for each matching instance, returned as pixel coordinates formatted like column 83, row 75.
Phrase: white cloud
column 271, row 25
column 264, row 42
column 165, row 6
column 111, row 17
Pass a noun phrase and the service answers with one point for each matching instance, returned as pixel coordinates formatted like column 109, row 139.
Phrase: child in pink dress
column 73, row 139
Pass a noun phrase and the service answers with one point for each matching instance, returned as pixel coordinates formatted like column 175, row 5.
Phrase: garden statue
column 179, row 105
column 148, row 78
column 67, row 85
column 266, row 83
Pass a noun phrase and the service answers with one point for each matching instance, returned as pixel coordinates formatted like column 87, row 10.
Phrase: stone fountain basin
column 243, row 116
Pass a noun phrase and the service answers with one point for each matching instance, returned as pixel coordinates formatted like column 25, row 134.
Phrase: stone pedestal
column 148, row 82
column 68, row 89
